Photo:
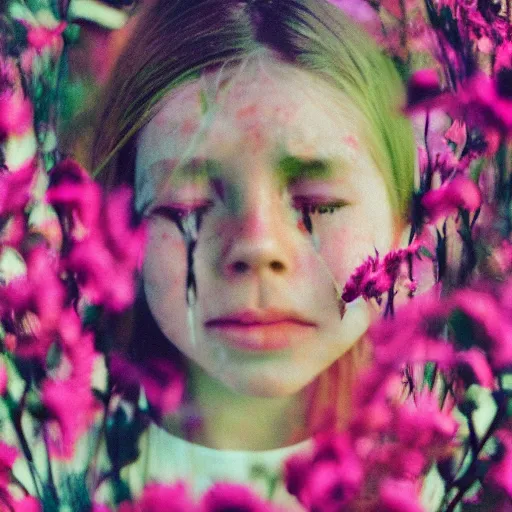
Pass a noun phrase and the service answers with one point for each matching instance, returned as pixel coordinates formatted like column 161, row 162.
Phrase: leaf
column 462, row 329
column 122, row 437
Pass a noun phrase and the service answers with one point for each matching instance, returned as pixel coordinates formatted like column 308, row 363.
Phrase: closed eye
column 177, row 211
column 315, row 205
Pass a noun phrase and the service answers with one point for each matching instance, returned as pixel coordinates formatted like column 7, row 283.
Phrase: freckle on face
column 189, row 127
column 351, row 141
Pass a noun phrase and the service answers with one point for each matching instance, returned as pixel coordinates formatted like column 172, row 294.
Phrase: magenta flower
column 328, row 478
column 14, row 230
column 499, row 475
column 123, row 241
column 3, row 379
column 422, row 425
column 42, row 38
column 374, row 276
column 415, row 334
column 450, row 197
column 486, row 102
column 296, row 471
column 492, row 325
column 27, row 504
column 73, row 191
column 158, row 497
column 70, row 422
column 15, row 188
column 223, row 497
column 163, row 382
column 332, row 487
column 423, row 90
column 369, row 280
column 100, row 507
column 399, row 496
column 106, row 246
column 16, row 113
column 8, row 455
column 67, row 423
column 503, row 59
column 473, row 364
column 457, row 133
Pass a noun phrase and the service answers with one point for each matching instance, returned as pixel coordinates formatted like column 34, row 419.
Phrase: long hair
column 178, row 40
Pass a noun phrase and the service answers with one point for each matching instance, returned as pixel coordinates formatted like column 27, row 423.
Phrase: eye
column 317, row 205
column 177, row 211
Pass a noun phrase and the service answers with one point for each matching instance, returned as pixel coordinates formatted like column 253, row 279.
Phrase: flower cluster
column 436, row 399
column 65, row 249
column 450, row 345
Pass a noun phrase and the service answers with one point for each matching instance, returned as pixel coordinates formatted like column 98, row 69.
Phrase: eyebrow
column 292, row 168
column 192, row 165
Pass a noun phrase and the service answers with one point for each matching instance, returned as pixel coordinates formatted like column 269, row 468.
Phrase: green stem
column 498, row 417
column 15, row 413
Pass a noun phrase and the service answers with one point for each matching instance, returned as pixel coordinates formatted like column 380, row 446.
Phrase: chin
column 268, row 387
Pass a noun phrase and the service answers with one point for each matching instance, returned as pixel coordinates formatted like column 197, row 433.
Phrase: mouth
column 261, row 330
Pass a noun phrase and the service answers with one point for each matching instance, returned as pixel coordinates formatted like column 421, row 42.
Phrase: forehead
column 260, row 97
column 259, row 110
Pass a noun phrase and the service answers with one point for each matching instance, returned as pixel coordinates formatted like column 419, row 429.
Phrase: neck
column 231, row 421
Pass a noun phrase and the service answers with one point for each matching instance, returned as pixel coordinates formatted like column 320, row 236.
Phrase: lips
column 261, row 330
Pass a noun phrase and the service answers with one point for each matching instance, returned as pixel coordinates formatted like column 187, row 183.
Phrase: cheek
column 165, row 260
column 345, row 250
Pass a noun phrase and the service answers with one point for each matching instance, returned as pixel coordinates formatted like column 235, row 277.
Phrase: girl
column 265, row 148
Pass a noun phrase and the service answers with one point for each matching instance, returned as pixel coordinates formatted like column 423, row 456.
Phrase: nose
column 257, row 240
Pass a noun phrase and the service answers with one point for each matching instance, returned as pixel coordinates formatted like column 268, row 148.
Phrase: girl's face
column 290, row 202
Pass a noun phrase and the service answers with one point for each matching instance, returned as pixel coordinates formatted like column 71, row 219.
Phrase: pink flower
column 27, row 504
column 398, row 496
column 48, row 293
column 42, row 38
column 14, row 230
column 222, row 497
column 163, row 382
column 106, row 244
column 500, row 473
column 158, row 497
column 369, row 280
column 485, row 102
column 99, row 507
column 412, row 335
column 73, row 193
column 491, row 325
column 67, row 423
column 473, row 366
column 423, row 90
column 374, row 276
column 334, row 476
column 16, row 113
column 8, row 455
column 332, row 487
column 15, row 188
column 457, row 133
column 3, row 379
column 296, row 472
column 422, row 425
column 503, row 59
column 124, row 242
column 458, row 193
